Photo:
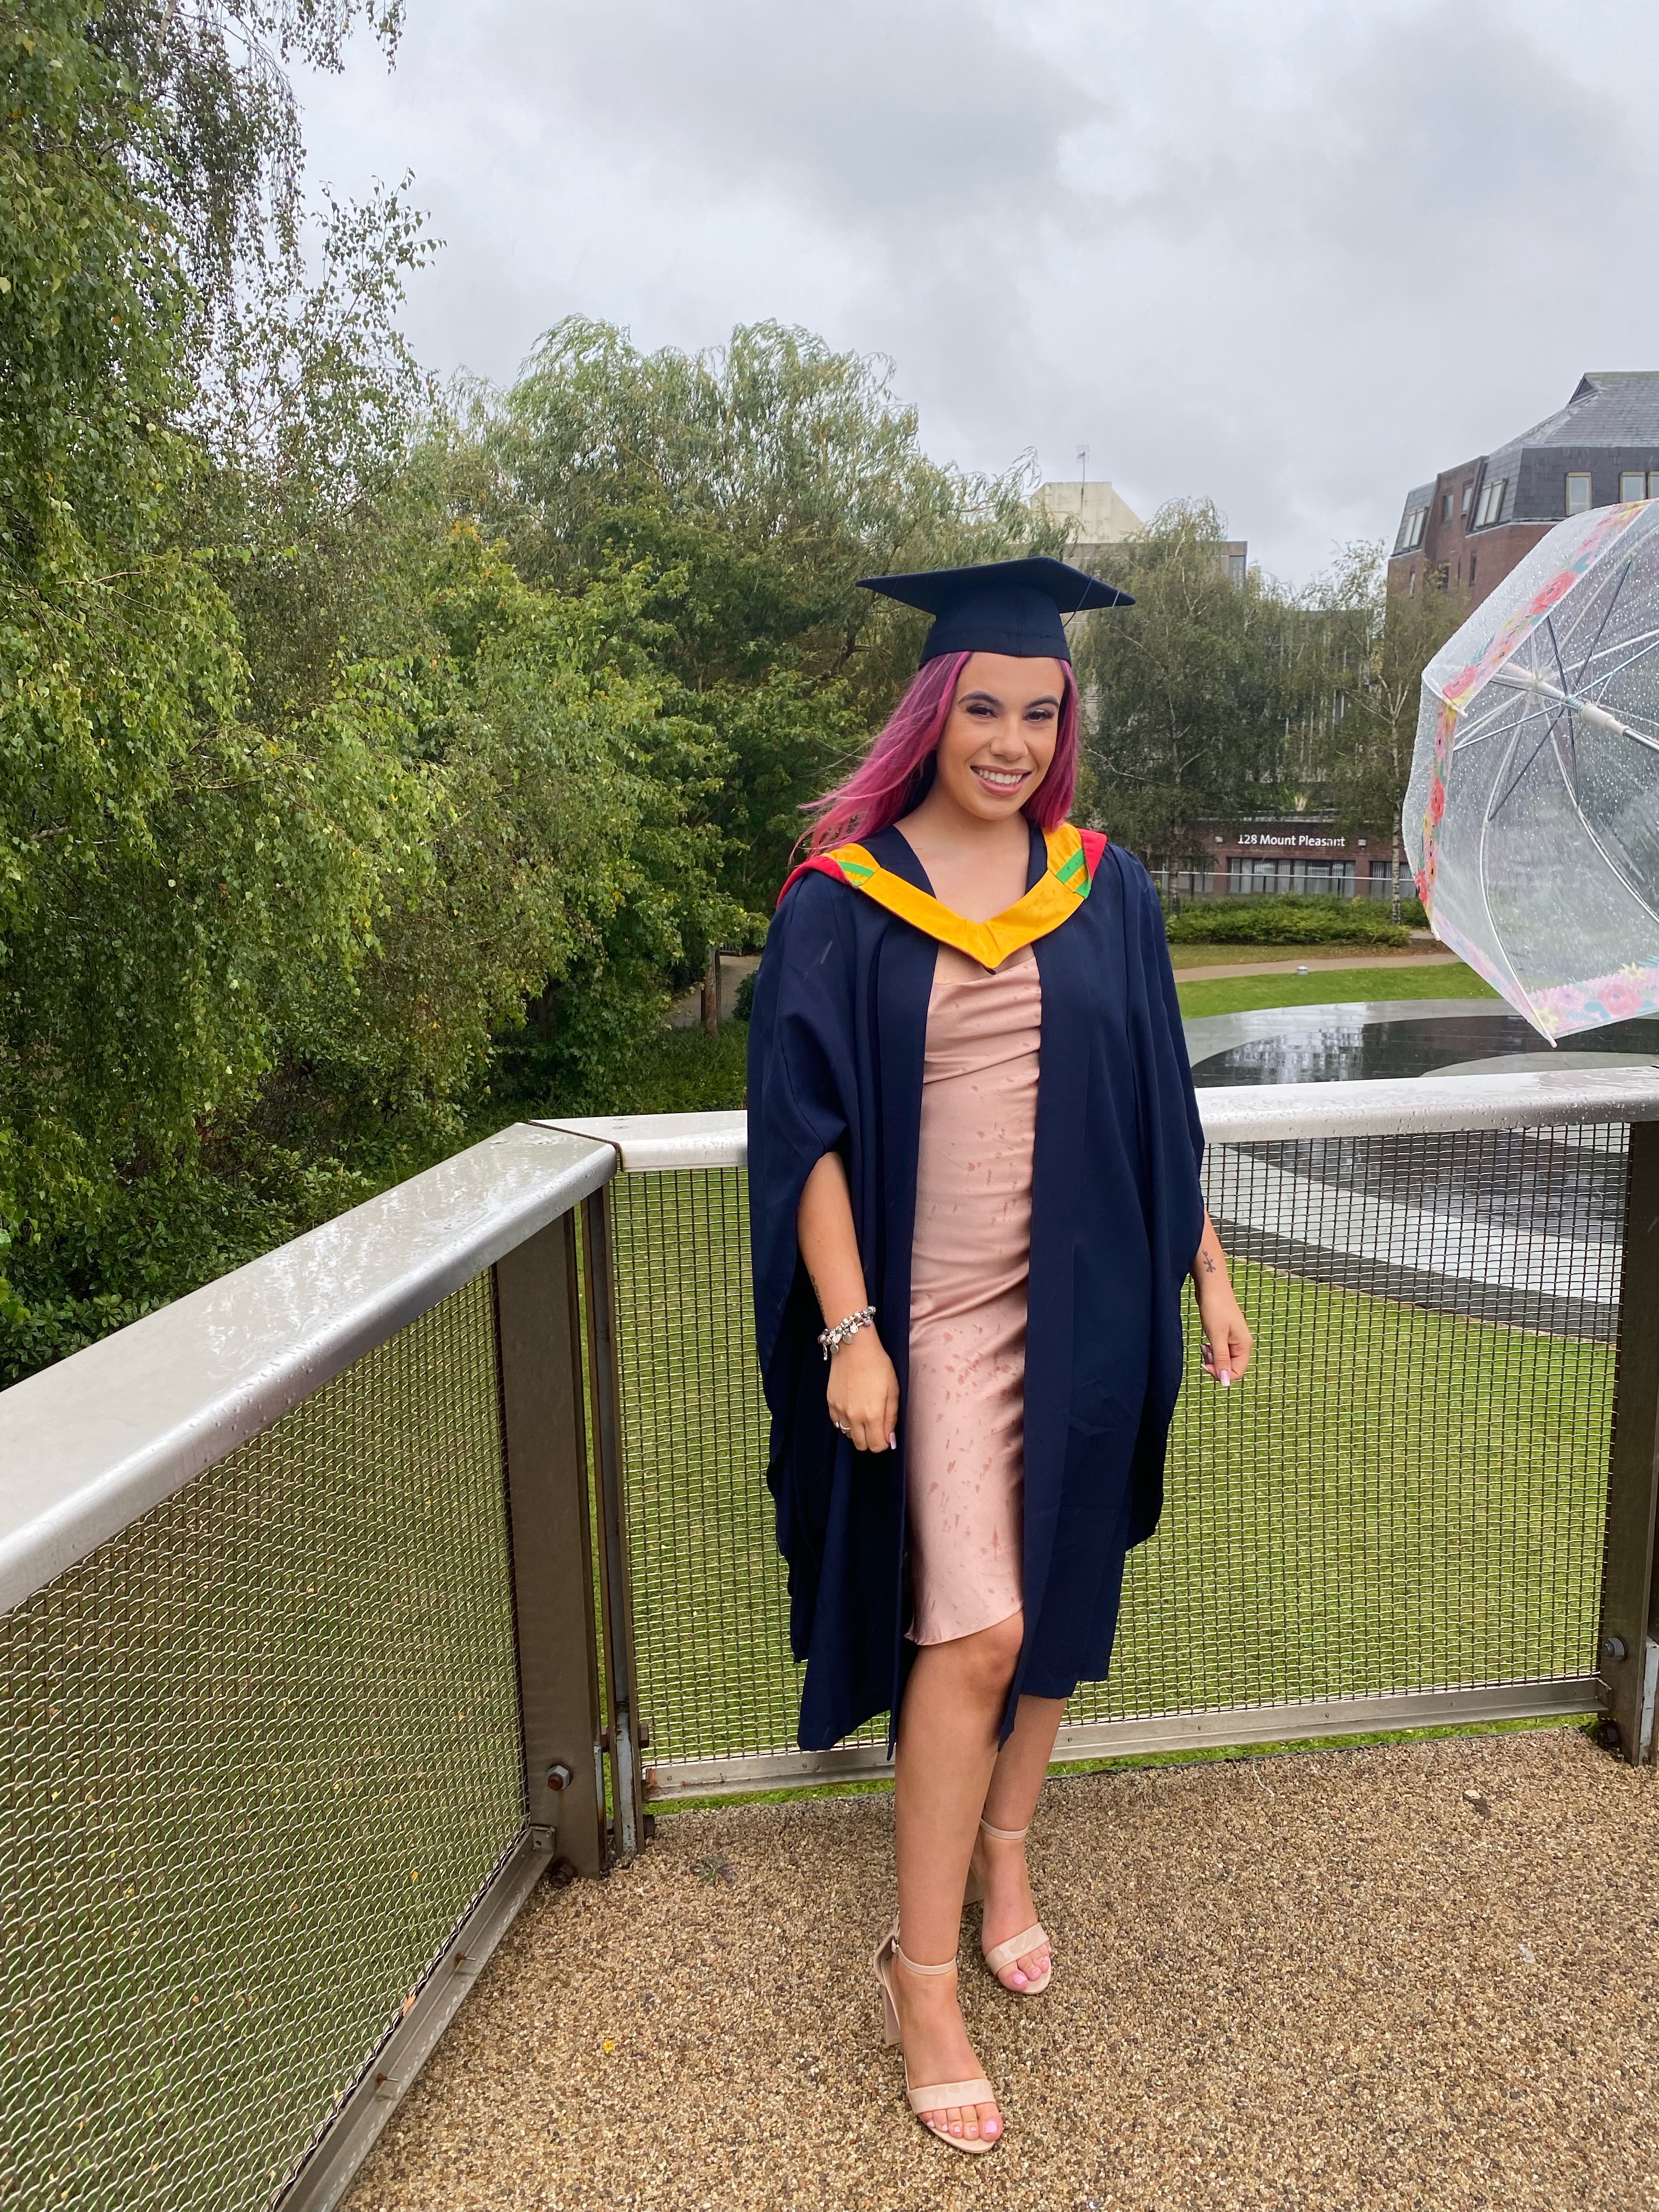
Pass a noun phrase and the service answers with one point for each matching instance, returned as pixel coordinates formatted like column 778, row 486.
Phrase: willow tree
column 750, row 485
column 1191, row 694
column 1388, row 639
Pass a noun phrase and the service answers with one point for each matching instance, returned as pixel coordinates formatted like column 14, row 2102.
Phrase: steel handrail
column 1243, row 1114
column 90, row 1445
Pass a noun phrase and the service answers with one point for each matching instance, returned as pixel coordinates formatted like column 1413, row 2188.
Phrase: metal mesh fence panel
column 262, row 1752
column 1407, row 1493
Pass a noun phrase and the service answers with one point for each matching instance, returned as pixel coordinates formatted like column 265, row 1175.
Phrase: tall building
column 1471, row 524
column 1100, row 515
column 1103, row 517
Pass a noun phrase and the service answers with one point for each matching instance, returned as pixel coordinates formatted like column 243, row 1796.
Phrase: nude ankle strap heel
column 974, row 1893
column 1017, row 1947
column 931, row 2096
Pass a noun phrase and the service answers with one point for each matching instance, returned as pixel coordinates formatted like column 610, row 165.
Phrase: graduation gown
column 837, row 1043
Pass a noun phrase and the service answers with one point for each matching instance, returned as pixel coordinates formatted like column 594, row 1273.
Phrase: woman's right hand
column 863, row 1392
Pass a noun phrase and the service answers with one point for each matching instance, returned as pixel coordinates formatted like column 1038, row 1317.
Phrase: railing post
column 540, row 1339
column 1628, row 1646
column 615, row 1590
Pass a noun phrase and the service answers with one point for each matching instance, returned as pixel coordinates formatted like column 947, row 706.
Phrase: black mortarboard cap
column 1000, row 606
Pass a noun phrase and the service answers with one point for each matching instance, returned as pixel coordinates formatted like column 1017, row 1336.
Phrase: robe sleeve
column 802, row 1098
column 1174, row 1029
column 1172, row 1140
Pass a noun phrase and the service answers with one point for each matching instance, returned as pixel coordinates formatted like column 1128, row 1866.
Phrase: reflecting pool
column 1395, row 1037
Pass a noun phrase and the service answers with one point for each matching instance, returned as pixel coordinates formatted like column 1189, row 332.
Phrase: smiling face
column 1000, row 734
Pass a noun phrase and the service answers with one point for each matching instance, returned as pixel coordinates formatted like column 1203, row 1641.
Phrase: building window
column 1468, row 494
column 1248, row 877
column 1410, row 583
column 1633, row 484
column 1411, row 530
column 1474, row 557
column 1385, row 885
column 1578, row 491
column 1491, row 501
column 1235, row 563
column 1653, row 485
column 1445, row 506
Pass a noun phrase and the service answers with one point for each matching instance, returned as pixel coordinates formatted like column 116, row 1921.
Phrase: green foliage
column 751, row 486
column 1383, row 640
column 305, row 795
column 668, row 1071
column 1189, row 693
column 1285, row 921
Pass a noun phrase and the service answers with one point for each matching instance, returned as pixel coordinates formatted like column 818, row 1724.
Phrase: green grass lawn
column 1244, row 994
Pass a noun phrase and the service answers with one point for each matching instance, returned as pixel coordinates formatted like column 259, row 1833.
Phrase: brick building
column 1471, row 524
column 1297, row 855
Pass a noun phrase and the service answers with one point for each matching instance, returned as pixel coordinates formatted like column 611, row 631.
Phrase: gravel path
column 1421, row 1975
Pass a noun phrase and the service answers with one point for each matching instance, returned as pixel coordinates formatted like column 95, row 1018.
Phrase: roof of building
column 1610, row 407
column 1611, row 411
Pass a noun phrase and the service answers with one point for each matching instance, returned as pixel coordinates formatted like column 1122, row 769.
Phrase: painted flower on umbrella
column 1622, row 995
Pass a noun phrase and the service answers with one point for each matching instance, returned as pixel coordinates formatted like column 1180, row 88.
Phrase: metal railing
column 300, row 1684
column 1400, row 1521
column 346, row 1596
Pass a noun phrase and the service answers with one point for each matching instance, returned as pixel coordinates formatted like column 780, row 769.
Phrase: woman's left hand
column 1227, row 1339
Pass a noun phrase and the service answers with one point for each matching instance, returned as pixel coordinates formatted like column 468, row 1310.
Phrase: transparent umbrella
column 1532, row 816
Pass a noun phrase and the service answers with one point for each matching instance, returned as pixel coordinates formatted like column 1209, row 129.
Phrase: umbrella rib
column 1597, row 713
column 1566, row 694
column 1606, row 675
column 1645, row 639
column 1496, row 728
column 1589, row 831
column 1612, row 601
column 1498, row 944
column 1515, row 785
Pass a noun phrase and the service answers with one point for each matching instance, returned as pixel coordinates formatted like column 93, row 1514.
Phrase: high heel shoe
column 934, row 2096
column 1017, row 1947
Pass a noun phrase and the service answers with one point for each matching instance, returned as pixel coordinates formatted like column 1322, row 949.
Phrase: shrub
column 1286, row 921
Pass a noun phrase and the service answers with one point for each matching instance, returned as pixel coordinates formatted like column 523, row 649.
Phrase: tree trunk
column 711, row 993
column 1393, row 874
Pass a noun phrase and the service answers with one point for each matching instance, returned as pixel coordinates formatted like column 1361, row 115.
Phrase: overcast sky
column 1292, row 255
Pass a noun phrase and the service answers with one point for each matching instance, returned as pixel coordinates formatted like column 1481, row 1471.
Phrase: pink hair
column 888, row 781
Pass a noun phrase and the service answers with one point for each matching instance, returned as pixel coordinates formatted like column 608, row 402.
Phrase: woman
column 974, row 1153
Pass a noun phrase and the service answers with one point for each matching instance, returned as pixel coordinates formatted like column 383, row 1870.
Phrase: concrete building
column 1471, row 524
column 1103, row 517
column 1100, row 515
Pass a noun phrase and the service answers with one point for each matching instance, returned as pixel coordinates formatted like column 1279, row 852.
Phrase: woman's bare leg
column 1015, row 1786
column 947, row 1752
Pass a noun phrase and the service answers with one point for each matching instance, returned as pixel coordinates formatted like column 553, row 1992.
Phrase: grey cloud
column 868, row 111
column 1294, row 258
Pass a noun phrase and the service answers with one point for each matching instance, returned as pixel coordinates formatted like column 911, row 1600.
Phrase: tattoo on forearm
column 1209, row 1264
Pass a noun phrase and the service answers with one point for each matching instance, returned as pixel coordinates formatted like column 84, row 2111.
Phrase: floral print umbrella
column 1532, row 816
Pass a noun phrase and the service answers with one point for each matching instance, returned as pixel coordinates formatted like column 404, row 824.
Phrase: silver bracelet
column 833, row 1339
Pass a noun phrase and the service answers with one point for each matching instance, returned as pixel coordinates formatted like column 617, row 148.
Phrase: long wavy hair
column 899, row 767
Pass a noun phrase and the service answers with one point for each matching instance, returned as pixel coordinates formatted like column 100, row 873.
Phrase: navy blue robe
column 835, row 1049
